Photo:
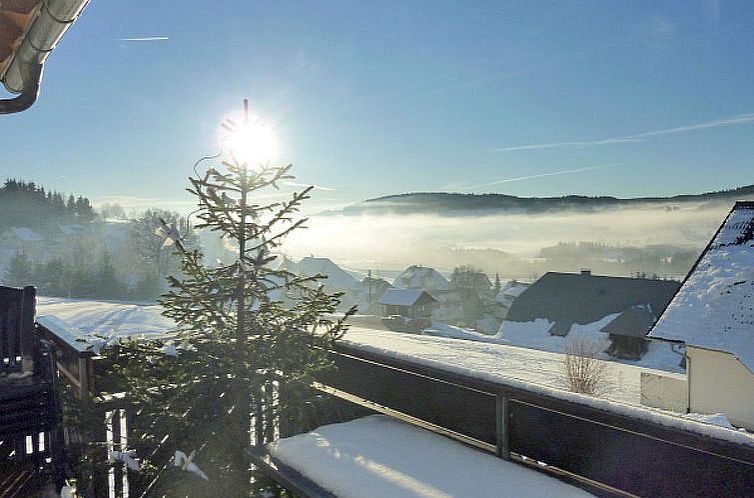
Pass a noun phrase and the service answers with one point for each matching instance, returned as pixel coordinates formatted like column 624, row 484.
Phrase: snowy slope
column 378, row 457
column 536, row 335
column 105, row 317
column 714, row 308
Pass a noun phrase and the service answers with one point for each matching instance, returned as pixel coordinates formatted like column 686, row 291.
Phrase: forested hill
column 26, row 204
column 439, row 202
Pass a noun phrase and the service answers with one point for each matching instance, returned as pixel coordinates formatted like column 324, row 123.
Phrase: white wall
column 720, row 383
column 666, row 391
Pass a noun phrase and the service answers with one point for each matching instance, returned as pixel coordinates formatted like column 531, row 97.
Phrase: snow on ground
column 376, row 457
column 444, row 330
column 535, row 371
column 536, row 335
column 491, row 361
column 106, row 317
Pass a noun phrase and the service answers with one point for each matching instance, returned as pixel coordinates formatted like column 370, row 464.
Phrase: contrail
column 145, row 39
column 316, row 187
column 542, row 175
column 735, row 120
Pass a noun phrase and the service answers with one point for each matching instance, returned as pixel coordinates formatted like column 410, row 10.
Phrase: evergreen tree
column 107, row 283
column 20, row 272
column 251, row 340
column 498, row 286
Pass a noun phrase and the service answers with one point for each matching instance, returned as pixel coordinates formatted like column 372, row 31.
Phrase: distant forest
column 455, row 203
column 26, row 204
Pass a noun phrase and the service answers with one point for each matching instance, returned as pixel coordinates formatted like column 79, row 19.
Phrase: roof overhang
column 29, row 31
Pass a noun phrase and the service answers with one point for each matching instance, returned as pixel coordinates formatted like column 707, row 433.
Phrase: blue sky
column 373, row 98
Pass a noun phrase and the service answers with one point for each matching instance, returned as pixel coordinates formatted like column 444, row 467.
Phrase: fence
column 616, row 452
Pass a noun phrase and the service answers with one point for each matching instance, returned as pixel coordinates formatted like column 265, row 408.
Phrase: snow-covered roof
column 336, row 276
column 714, row 307
column 421, row 277
column 25, row 234
column 404, row 297
column 513, row 289
column 377, row 456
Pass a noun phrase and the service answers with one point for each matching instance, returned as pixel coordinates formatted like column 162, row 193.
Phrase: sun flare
column 252, row 142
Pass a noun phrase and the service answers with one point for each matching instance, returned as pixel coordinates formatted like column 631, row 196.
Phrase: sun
column 251, row 142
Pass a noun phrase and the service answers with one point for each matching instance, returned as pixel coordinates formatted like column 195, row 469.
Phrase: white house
column 713, row 315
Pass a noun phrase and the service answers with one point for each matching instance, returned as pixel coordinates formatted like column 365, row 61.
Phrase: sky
column 640, row 98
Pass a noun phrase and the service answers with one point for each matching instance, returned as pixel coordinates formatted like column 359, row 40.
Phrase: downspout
column 688, row 371
column 24, row 72
column 29, row 93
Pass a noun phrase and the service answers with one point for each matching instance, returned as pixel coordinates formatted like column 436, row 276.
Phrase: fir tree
column 252, row 339
column 20, row 271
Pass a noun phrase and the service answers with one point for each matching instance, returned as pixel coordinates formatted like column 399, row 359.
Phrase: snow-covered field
column 529, row 368
column 106, row 317
column 536, row 335
column 492, row 361
column 378, row 457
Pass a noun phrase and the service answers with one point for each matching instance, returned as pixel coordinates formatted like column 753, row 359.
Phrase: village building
column 566, row 299
column 337, row 277
column 417, row 277
column 628, row 332
column 509, row 292
column 713, row 316
column 408, row 303
column 368, row 296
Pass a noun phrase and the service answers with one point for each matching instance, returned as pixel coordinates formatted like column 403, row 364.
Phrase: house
column 417, row 277
column 371, row 291
column 337, row 277
column 568, row 298
column 409, row 303
column 628, row 332
column 713, row 316
column 20, row 239
column 510, row 291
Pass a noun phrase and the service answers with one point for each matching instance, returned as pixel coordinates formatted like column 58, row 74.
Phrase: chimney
column 586, row 271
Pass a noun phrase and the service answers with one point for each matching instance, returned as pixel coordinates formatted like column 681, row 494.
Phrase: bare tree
column 585, row 373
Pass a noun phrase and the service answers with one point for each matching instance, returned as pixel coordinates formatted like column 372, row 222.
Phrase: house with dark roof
column 581, row 298
column 712, row 314
column 628, row 332
column 409, row 303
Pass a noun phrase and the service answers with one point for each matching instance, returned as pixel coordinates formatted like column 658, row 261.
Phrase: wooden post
column 502, row 427
column 83, row 378
column 28, row 339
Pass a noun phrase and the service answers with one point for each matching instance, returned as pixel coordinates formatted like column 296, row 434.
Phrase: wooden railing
column 609, row 449
column 18, row 343
column 73, row 359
